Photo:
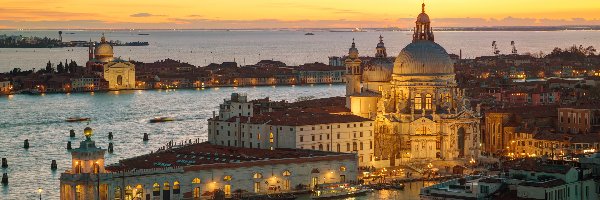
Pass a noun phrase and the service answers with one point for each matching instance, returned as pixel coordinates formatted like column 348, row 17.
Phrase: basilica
column 120, row 74
column 419, row 112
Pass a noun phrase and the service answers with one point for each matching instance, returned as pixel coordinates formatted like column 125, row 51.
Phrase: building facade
column 238, row 124
column 199, row 170
column 119, row 74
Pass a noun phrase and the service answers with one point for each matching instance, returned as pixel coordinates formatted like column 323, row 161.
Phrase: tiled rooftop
column 205, row 154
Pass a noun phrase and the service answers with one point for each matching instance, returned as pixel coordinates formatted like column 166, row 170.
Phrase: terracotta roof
column 205, row 155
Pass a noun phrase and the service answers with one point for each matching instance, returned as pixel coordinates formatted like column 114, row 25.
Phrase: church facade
column 420, row 114
column 119, row 74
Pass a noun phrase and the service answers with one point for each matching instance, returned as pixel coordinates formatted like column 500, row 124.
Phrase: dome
column 104, row 49
column 423, row 18
column 378, row 70
column 104, row 52
column 423, row 57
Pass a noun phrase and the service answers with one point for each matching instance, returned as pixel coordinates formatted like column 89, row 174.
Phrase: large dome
column 423, row 58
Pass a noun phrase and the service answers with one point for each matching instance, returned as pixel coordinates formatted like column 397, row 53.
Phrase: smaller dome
column 104, row 52
column 104, row 49
column 423, row 18
column 378, row 70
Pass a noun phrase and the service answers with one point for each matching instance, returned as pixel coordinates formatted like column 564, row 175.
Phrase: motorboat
column 161, row 119
column 77, row 119
column 309, row 33
column 338, row 191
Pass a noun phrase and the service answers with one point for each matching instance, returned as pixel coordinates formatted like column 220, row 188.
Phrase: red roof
column 204, row 155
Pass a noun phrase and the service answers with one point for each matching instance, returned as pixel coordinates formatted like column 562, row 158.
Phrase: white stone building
column 420, row 114
column 196, row 170
column 238, row 125
column 119, row 74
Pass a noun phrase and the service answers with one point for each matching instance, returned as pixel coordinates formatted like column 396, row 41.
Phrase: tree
column 49, row 68
column 60, row 68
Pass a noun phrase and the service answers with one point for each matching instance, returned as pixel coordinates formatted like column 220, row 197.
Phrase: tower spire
column 423, row 29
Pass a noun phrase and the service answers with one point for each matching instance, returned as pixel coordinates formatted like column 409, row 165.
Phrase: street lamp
column 40, row 192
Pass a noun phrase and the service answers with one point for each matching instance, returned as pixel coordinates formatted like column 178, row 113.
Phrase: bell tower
column 381, row 52
column 353, row 73
column 82, row 181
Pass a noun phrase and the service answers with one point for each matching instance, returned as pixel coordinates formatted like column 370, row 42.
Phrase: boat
column 309, row 34
column 161, row 119
column 143, row 34
column 338, row 191
column 77, row 119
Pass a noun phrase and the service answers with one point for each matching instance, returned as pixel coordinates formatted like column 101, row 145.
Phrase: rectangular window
column 301, row 138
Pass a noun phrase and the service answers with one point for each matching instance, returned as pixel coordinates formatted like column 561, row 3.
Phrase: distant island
column 18, row 41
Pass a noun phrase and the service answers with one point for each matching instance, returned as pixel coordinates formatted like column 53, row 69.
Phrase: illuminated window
column 166, row 186
column 176, row 187
column 128, row 193
column 428, row 101
column 139, row 191
column 196, row 180
column 342, row 169
column 257, row 175
column 117, row 192
column 227, row 178
column 271, row 138
column 418, row 102
column 196, row 192
column 287, row 173
column 156, row 189
column 96, row 168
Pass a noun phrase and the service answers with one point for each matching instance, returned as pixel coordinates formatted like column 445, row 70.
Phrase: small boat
column 161, row 119
column 398, row 186
column 309, row 34
column 143, row 34
column 77, row 119
column 338, row 191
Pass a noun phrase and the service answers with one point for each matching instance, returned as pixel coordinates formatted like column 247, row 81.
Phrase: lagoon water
column 292, row 47
column 41, row 119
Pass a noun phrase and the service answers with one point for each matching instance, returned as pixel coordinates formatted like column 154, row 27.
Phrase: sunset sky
column 240, row 14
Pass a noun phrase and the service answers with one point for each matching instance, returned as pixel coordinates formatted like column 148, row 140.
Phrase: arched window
column 77, row 167
column 96, row 168
column 320, row 147
column 196, row 180
column 418, row 102
column 347, row 146
column 166, row 186
column 156, row 189
column 428, row 101
column 196, row 192
column 361, row 145
column 257, row 175
column 271, row 138
column 128, row 192
column 287, row 173
column 139, row 191
column 176, row 187
column 119, row 80
column 117, row 193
